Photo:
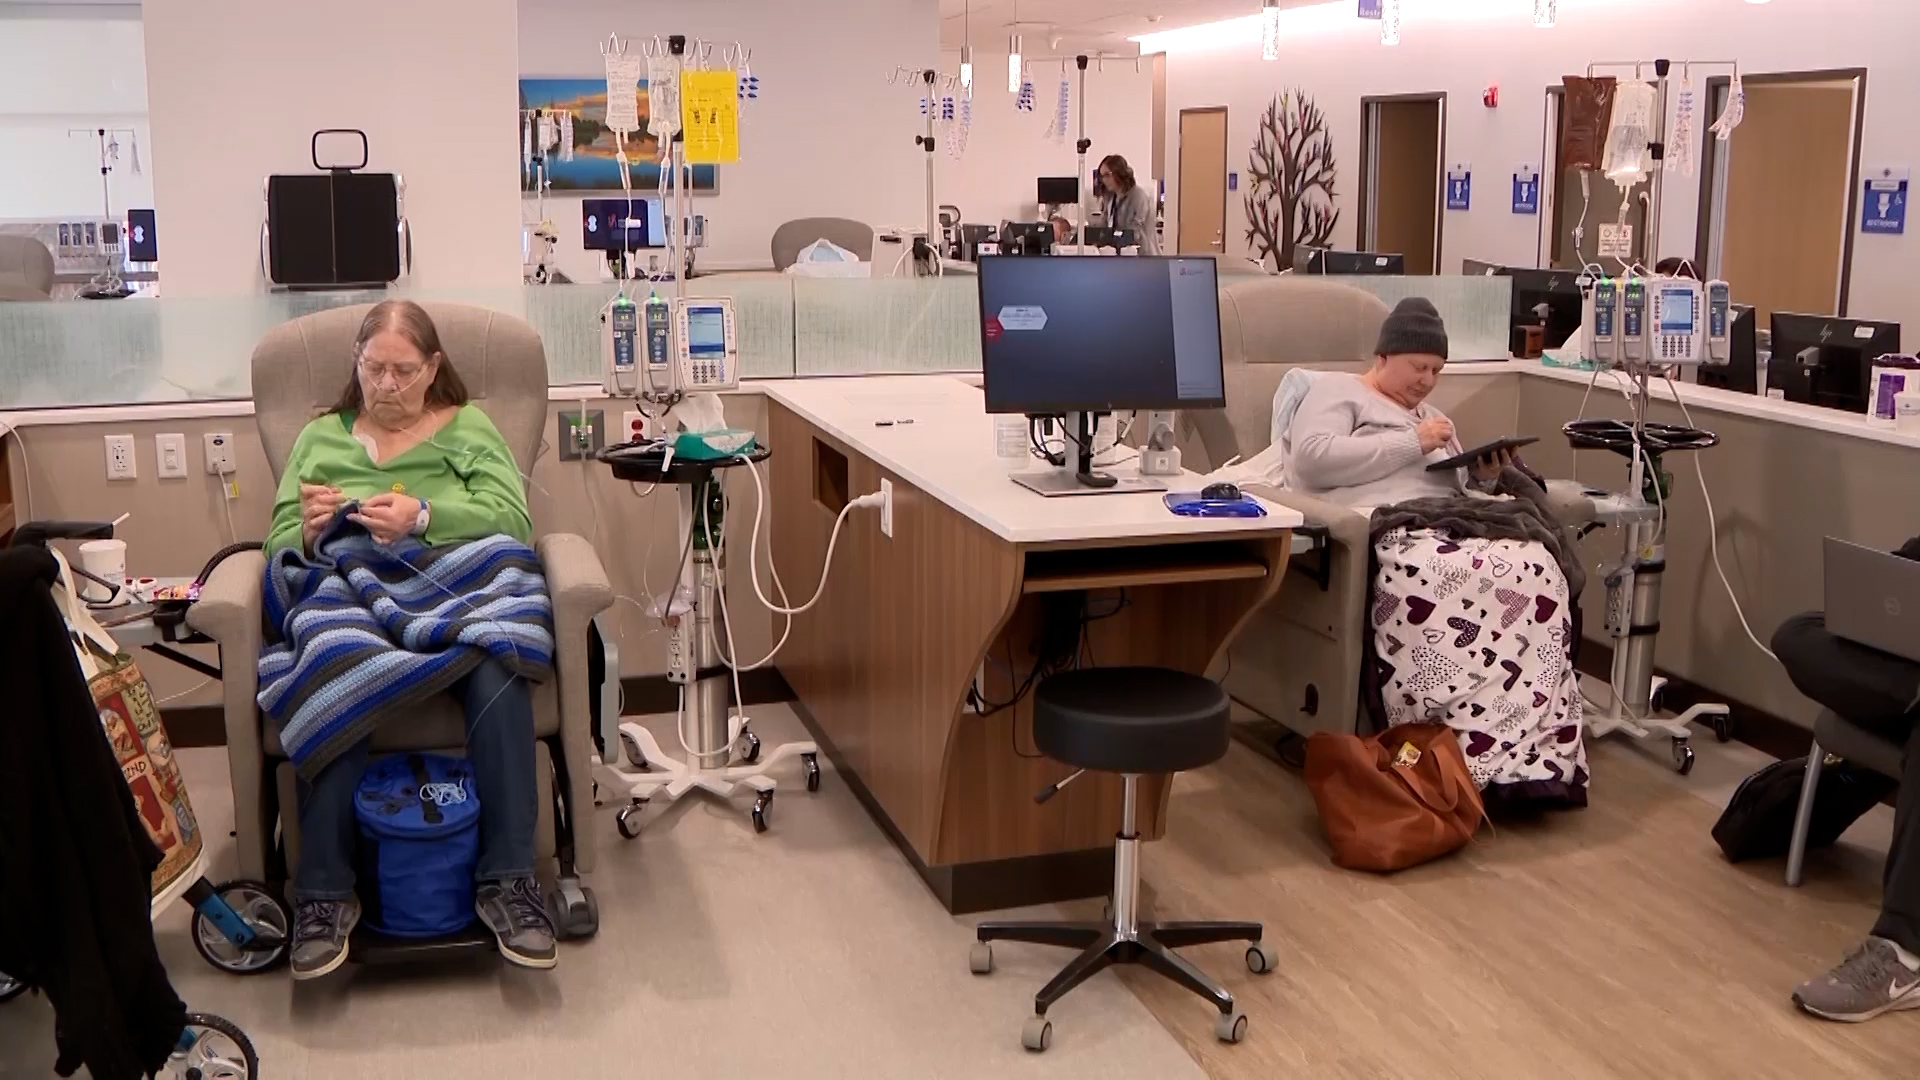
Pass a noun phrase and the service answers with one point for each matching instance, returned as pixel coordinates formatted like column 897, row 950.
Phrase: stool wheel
column 980, row 958
column 760, row 807
column 1231, row 1027
column 1261, row 958
column 1038, row 1034
column 812, row 764
column 628, row 819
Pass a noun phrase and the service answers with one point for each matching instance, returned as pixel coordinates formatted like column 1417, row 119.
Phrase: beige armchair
column 26, row 269
column 298, row 371
column 790, row 238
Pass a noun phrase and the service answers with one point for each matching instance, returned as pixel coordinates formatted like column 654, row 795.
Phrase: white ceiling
column 1090, row 26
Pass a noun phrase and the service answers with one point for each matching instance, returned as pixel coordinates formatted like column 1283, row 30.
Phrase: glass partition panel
column 1477, row 309
column 870, row 326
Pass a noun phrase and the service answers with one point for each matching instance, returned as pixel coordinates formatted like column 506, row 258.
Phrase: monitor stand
column 1083, row 480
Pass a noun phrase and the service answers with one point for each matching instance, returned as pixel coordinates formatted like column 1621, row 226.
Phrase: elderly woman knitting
column 1473, row 600
column 398, row 568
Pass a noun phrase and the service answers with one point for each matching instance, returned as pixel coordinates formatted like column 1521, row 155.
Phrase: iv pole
column 107, row 284
column 924, row 251
column 1082, row 145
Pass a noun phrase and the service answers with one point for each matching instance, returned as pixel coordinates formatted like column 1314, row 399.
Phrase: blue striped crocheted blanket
column 360, row 631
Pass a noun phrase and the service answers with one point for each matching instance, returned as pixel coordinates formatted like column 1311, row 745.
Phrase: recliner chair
column 299, row 369
column 26, row 269
column 790, row 238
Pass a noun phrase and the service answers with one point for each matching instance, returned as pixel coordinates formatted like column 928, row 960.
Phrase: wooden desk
column 882, row 665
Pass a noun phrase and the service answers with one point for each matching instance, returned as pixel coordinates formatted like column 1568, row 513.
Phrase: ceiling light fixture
column 1269, row 29
column 1389, row 22
column 1013, row 64
column 1546, row 13
column 966, row 48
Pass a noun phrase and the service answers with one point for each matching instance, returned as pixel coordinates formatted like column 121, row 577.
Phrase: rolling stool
column 1132, row 721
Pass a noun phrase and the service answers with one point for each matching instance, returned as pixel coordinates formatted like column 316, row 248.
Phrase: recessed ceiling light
column 1155, row 18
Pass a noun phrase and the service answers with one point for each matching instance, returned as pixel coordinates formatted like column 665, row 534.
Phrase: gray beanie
column 1413, row 327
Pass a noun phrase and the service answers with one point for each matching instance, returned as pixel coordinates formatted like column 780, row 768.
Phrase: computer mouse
column 1221, row 492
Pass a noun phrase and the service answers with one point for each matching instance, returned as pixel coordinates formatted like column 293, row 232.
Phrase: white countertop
column 947, row 452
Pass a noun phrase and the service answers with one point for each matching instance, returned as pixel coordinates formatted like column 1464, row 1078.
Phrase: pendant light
column 1389, row 22
column 1546, row 13
column 1269, row 29
column 966, row 48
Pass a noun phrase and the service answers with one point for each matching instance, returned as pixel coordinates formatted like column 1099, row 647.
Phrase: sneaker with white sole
column 1872, row 980
column 321, row 929
column 516, row 912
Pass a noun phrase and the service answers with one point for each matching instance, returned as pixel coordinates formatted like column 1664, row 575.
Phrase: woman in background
column 1128, row 205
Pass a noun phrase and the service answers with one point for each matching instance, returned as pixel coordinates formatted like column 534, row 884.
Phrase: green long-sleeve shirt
column 464, row 471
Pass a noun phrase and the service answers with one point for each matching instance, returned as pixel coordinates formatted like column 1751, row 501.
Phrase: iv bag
column 1680, row 144
column 623, row 92
column 663, row 98
column 1736, row 110
column 1626, row 159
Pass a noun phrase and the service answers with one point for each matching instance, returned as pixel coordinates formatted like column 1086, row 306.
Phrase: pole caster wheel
column 1682, row 756
column 574, row 911
column 1723, row 728
column 1230, row 1027
column 628, row 819
column 631, row 747
column 980, row 958
column 748, row 747
column 811, row 762
column 1037, row 1035
column 1261, row 958
column 760, row 807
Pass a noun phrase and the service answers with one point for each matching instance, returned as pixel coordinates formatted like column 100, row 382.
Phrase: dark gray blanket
column 1525, row 516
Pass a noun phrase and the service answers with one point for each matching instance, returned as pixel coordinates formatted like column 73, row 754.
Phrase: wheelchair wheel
column 212, row 1048
column 10, row 987
column 261, row 910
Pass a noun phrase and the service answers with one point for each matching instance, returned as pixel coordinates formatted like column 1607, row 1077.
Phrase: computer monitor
column 1313, row 260
column 1100, row 236
column 1828, row 361
column 622, row 224
column 141, row 245
column 1026, row 237
column 1740, row 372
column 1097, row 335
column 972, row 236
column 1058, row 190
column 1549, row 298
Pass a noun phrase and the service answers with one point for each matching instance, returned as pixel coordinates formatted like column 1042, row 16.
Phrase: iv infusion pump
column 661, row 348
column 1657, row 320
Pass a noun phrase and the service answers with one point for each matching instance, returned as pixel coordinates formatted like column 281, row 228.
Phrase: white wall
column 237, row 87
column 1007, row 150
column 1337, row 59
column 59, row 74
column 827, row 138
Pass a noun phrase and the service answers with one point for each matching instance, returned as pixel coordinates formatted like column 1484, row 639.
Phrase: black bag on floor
column 1758, row 821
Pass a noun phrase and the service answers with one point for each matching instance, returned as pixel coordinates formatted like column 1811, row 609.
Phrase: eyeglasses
column 402, row 375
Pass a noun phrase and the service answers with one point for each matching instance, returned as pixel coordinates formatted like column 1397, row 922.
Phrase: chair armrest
column 578, row 586
column 1348, row 526
column 576, row 581
column 230, row 611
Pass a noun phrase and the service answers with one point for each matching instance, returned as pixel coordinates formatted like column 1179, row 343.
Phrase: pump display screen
column 706, row 331
column 1676, row 311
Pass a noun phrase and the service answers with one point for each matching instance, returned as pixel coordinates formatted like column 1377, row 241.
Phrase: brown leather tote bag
column 1395, row 799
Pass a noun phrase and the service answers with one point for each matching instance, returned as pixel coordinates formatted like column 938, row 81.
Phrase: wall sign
column 1233, row 181
column 1370, row 9
column 1460, row 186
column 1526, row 190
column 1883, row 211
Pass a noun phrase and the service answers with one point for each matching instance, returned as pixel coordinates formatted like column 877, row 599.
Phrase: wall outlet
column 170, row 451
column 120, row 458
column 219, row 449
column 579, row 437
column 886, row 507
column 633, row 426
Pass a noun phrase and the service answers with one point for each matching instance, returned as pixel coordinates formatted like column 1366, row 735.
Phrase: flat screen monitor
column 1549, row 298
column 1100, row 236
column 1828, row 361
column 1058, row 190
column 335, row 228
column 1026, row 237
column 141, row 245
column 1313, row 260
column 1740, row 371
column 622, row 224
column 1099, row 335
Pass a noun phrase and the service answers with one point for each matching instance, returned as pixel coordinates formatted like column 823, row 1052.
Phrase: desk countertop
column 947, row 452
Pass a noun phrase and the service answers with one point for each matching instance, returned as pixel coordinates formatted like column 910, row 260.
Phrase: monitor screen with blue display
column 706, row 330
column 1676, row 310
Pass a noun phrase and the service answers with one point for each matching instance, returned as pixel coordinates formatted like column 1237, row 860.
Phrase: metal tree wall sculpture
column 1291, row 173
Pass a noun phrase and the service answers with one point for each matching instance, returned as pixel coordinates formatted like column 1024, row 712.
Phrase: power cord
column 1713, row 533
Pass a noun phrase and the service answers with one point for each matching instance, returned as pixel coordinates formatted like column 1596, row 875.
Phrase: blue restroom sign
column 1526, row 190
column 1370, row 9
column 1884, row 210
column 1460, row 187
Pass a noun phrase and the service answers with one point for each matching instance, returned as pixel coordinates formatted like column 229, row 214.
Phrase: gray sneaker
column 320, row 932
column 1870, row 981
column 517, row 915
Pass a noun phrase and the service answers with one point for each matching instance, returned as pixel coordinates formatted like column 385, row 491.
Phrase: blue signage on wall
column 1369, row 9
column 1884, row 210
column 1526, row 190
column 1459, row 188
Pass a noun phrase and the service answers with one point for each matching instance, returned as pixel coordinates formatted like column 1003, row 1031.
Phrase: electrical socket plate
column 633, row 426
column 219, row 450
column 170, row 452
column 886, row 507
column 120, row 464
column 578, row 441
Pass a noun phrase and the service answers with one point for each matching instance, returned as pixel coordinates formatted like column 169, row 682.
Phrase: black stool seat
column 1131, row 720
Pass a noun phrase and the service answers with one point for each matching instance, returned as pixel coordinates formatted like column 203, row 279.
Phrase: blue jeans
column 499, row 708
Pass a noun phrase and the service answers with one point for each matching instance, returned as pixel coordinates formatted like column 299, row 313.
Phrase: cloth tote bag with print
column 132, row 722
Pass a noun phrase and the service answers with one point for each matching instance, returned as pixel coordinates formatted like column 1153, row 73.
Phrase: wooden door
column 1790, row 169
column 1404, row 179
column 1203, row 181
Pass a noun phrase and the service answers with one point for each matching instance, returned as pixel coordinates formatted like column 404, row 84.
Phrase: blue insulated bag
column 419, row 818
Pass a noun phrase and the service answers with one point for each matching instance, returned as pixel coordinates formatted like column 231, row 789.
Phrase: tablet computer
column 1462, row 460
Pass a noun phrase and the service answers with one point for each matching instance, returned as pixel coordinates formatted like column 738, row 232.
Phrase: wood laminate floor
column 1610, row 942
